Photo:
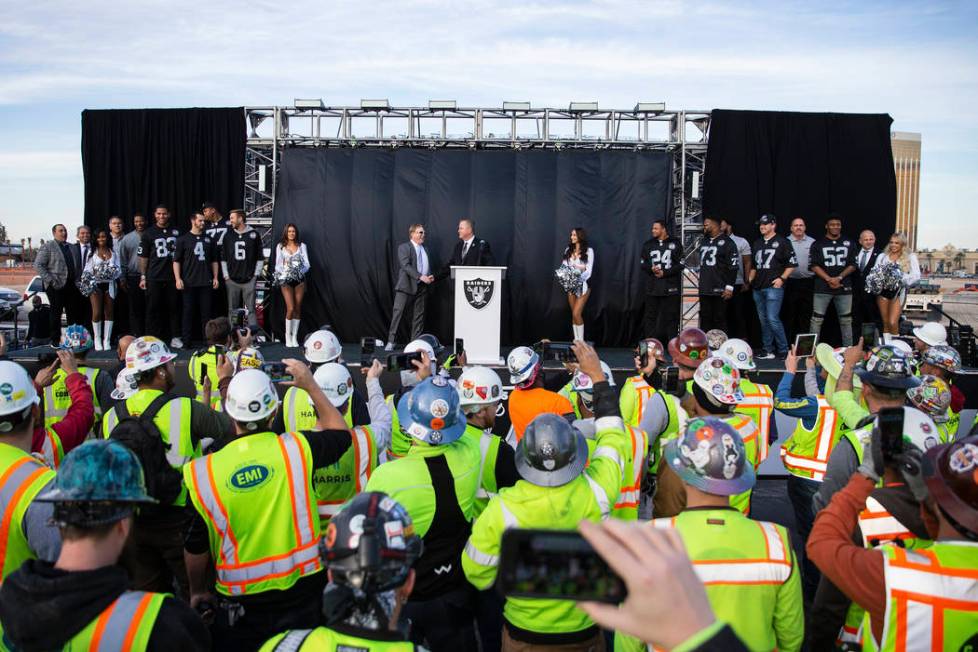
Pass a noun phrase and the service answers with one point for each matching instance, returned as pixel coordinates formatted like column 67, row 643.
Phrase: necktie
column 84, row 255
column 421, row 261
column 465, row 250
column 862, row 260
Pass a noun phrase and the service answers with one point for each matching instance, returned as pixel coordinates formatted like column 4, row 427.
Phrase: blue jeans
column 768, row 302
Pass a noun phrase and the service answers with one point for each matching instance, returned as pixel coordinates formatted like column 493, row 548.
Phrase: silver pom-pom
column 884, row 279
column 292, row 272
column 86, row 283
column 569, row 278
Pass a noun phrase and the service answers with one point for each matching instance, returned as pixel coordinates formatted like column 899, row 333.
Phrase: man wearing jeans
column 833, row 259
column 774, row 260
column 128, row 251
column 242, row 259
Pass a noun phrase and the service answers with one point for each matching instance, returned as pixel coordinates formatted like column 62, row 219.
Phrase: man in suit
column 414, row 277
column 81, row 251
column 469, row 250
column 56, row 266
column 865, row 309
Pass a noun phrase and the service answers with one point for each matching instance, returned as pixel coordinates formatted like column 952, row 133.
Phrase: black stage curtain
column 135, row 159
column 801, row 165
column 353, row 208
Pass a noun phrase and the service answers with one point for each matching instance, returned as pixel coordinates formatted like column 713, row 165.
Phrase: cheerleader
column 890, row 302
column 291, row 266
column 104, row 269
column 580, row 256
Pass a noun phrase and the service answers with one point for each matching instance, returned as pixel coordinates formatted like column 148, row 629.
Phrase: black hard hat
column 370, row 544
column 552, row 452
column 888, row 366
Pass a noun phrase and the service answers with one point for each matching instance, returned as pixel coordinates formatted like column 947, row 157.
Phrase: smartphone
column 203, row 372
column 559, row 351
column 402, row 361
column 805, row 344
column 459, row 346
column 367, row 347
column 277, row 372
column 891, row 433
column 555, row 565
column 668, row 379
column 643, row 354
column 239, row 317
column 869, row 336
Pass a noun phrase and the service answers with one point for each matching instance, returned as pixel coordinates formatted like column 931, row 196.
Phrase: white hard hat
column 420, row 345
column 522, row 362
column 247, row 358
column 918, row 429
column 479, row 386
column 251, row 396
column 739, row 353
column 335, row 381
column 931, row 333
column 898, row 344
column 322, row 346
column 125, row 385
column 17, row 391
column 147, row 352
column 581, row 382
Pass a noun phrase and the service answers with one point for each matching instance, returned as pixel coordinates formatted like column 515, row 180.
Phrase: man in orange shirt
column 529, row 397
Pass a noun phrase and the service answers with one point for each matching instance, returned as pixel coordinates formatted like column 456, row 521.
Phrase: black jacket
column 43, row 607
column 667, row 254
column 479, row 254
column 718, row 265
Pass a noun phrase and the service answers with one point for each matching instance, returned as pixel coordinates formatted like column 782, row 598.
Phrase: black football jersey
column 241, row 252
column 217, row 231
column 195, row 253
column 718, row 264
column 833, row 256
column 771, row 258
column 157, row 246
column 668, row 255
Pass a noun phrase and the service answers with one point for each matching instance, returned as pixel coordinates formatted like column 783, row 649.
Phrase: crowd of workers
column 244, row 519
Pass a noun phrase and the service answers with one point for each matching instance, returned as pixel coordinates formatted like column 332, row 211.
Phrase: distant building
column 947, row 260
column 906, row 164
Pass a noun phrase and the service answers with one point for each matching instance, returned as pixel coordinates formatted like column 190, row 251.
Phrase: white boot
column 579, row 332
column 295, row 332
column 107, row 336
column 290, row 329
column 97, row 333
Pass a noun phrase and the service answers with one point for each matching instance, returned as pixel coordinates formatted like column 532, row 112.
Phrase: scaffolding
column 646, row 127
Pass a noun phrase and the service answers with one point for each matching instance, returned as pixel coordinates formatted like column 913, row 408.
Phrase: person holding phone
column 662, row 261
column 774, row 260
column 833, row 260
column 749, row 568
column 562, row 487
column 203, row 364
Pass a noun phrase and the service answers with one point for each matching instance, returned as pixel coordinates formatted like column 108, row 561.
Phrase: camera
column 402, row 361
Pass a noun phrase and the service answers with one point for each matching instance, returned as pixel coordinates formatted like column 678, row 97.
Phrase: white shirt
column 85, row 252
column 743, row 249
column 467, row 245
column 909, row 277
column 422, row 259
column 863, row 258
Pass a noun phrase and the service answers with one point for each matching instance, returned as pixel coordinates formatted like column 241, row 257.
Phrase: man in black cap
column 774, row 260
column 216, row 226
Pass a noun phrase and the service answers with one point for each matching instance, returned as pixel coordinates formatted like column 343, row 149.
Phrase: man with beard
column 662, row 260
column 129, row 260
column 217, row 226
column 156, row 268
column 718, row 273
column 154, row 553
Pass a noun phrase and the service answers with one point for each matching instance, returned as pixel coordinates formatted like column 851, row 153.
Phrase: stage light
column 305, row 105
column 255, row 119
column 375, row 104
column 650, row 107
column 695, row 190
column 580, row 107
column 516, row 106
column 442, row 105
column 263, row 185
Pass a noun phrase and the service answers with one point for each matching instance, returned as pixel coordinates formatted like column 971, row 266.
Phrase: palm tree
column 959, row 260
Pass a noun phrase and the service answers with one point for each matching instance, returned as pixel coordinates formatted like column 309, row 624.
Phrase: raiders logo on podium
column 478, row 292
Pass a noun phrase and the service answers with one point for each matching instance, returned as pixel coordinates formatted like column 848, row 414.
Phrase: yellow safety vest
column 749, row 433
column 338, row 483
column 626, row 506
column 126, row 624
column 806, row 453
column 57, row 400
column 758, row 404
column 298, row 412
column 22, row 477
column 256, row 496
column 52, row 452
column 209, row 357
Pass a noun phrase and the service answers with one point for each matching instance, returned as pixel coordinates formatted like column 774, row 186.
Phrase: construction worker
column 51, row 442
column 748, row 567
column 944, row 362
column 933, row 397
column 886, row 376
column 758, row 403
column 436, row 481
column 649, row 353
column 806, row 452
column 369, row 548
column 336, row 484
column 556, row 492
column 914, row 599
column 203, row 363
column 27, row 532
column 57, row 398
column 254, row 522
column 480, row 391
column 410, row 378
column 634, row 463
column 82, row 601
column 891, row 515
column 154, row 553
column 529, row 396
column 321, row 347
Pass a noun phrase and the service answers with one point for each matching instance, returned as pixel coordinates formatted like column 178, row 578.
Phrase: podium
column 478, row 311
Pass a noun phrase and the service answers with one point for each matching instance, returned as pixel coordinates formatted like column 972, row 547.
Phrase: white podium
column 478, row 311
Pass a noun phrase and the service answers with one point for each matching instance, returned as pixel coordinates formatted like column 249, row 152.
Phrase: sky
column 916, row 61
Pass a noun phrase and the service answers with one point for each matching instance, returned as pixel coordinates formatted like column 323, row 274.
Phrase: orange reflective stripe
column 11, row 506
column 103, row 620
column 136, row 620
column 643, row 394
column 226, row 533
column 294, row 453
column 292, row 496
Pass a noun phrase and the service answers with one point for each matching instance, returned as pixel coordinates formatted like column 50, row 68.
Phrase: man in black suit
column 81, row 251
column 469, row 250
column 865, row 309
column 413, row 278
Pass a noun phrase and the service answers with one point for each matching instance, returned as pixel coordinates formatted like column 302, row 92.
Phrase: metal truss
column 684, row 134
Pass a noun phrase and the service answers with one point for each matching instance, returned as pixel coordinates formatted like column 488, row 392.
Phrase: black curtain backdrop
column 353, row 207
column 135, row 159
column 801, row 165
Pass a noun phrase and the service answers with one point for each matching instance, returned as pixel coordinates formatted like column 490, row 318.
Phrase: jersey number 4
column 199, row 251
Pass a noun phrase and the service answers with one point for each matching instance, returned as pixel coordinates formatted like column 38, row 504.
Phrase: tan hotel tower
column 906, row 164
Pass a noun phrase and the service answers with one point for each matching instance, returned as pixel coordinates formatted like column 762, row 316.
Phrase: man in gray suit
column 56, row 265
column 413, row 280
